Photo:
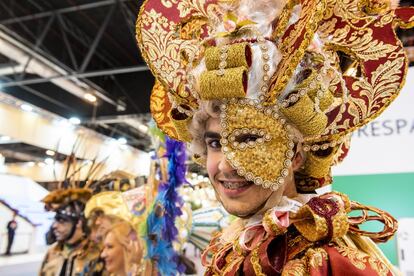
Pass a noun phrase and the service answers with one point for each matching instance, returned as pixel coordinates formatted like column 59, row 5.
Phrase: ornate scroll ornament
column 323, row 218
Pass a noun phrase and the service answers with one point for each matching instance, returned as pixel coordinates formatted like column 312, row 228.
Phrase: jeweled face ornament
column 250, row 157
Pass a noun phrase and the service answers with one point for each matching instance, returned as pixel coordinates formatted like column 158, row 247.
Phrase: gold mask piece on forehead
column 256, row 142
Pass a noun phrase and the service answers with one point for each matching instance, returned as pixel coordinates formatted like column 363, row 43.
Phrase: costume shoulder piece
column 320, row 238
column 325, row 68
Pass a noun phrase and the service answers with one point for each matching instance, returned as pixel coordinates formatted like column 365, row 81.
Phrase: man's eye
column 214, row 144
column 245, row 138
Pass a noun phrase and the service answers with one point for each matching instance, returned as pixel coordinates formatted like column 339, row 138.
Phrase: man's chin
column 239, row 211
column 59, row 238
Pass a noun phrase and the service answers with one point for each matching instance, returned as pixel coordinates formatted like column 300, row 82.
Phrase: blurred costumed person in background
column 122, row 251
column 267, row 94
column 120, row 215
column 112, row 183
column 73, row 253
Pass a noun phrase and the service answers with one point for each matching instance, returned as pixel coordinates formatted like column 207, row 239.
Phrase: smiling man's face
column 239, row 197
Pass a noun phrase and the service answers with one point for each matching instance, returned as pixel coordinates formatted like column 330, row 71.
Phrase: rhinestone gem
column 274, row 187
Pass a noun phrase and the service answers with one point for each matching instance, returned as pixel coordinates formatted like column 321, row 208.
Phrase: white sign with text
column 386, row 145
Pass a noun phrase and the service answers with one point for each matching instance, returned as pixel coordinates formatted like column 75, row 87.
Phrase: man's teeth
column 234, row 185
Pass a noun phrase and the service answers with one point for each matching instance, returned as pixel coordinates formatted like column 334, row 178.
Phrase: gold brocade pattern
column 378, row 266
column 161, row 47
column 165, row 45
column 356, row 257
column 381, row 86
column 364, row 46
column 158, row 106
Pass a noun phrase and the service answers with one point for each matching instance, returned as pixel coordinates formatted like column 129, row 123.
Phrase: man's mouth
column 235, row 185
column 56, row 233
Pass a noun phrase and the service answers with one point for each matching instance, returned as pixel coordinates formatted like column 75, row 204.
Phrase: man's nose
column 224, row 165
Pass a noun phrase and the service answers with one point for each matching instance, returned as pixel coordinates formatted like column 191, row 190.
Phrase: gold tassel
column 181, row 121
column 232, row 84
column 318, row 166
column 304, row 116
column 238, row 55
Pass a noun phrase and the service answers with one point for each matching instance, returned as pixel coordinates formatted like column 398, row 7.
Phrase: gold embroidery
column 255, row 262
column 158, row 106
column 308, row 22
column 363, row 46
column 316, row 257
column 355, row 257
column 314, row 225
column 378, row 266
column 283, row 20
column 327, row 27
column 168, row 3
column 295, row 267
column 383, row 85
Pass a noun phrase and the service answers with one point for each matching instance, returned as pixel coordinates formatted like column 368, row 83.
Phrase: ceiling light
column 26, row 107
column 74, row 120
column 5, row 138
column 123, row 147
column 90, row 97
column 122, row 141
column 143, row 128
column 30, row 164
column 49, row 161
column 41, row 164
column 50, row 152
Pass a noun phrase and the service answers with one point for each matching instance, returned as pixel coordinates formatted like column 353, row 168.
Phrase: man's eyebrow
column 212, row 134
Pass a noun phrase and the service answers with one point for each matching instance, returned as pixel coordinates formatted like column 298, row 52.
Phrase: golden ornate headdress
column 324, row 68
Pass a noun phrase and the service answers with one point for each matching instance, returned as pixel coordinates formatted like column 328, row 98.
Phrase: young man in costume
column 267, row 93
column 73, row 253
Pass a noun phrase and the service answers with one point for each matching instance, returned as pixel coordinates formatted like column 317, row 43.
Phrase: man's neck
column 72, row 243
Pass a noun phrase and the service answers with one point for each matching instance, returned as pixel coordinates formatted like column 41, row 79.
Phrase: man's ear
column 298, row 160
column 79, row 224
